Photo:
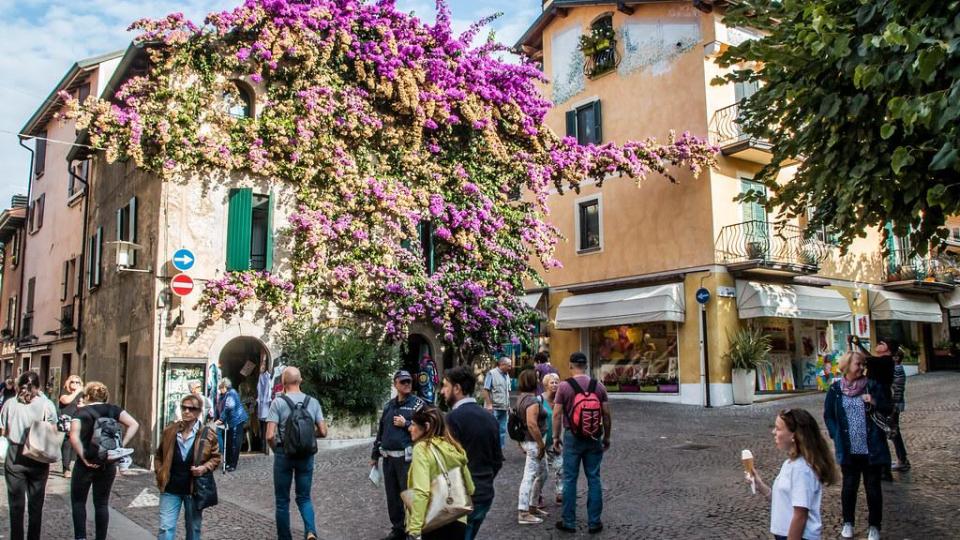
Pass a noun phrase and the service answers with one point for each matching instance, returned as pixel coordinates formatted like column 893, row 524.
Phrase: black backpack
column 299, row 430
column 106, row 436
column 517, row 424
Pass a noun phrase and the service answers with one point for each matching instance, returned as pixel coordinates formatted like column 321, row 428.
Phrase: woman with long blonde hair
column 70, row 402
column 797, row 491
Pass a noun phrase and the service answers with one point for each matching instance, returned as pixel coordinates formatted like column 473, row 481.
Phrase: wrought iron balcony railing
column 725, row 128
column 769, row 242
column 602, row 61
column 901, row 266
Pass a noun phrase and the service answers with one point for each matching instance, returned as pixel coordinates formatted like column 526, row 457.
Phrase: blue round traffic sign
column 183, row 260
column 703, row 295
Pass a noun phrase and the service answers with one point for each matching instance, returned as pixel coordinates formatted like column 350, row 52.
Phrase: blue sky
column 41, row 39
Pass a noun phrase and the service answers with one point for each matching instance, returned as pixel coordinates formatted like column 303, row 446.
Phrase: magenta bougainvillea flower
column 388, row 127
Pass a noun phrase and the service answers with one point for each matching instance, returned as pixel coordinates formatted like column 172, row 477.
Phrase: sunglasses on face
column 186, row 408
column 405, row 382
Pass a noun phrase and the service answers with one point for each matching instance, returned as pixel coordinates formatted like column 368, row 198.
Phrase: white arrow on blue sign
column 183, row 260
column 703, row 295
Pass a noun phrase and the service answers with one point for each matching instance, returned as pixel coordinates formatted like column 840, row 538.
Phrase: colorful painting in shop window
column 777, row 375
column 636, row 358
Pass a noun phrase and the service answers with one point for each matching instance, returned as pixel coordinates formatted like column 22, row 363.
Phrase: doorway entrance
column 240, row 361
column 418, row 358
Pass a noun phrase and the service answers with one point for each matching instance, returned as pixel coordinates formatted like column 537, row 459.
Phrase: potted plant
column 942, row 348
column 756, row 250
column 749, row 349
column 628, row 383
column 611, row 382
column 648, row 384
column 669, row 385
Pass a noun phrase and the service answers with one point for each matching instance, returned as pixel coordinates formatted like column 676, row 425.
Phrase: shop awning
column 532, row 299
column 755, row 299
column 894, row 306
column 952, row 300
column 627, row 306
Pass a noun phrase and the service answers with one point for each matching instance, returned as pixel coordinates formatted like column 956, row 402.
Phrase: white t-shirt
column 796, row 485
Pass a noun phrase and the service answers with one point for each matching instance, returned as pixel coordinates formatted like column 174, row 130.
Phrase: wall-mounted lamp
column 855, row 295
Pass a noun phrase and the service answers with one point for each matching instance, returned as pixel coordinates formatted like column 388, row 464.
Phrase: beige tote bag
column 43, row 442
column 448, row 497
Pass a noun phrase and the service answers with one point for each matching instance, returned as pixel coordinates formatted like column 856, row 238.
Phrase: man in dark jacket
column 394, row 445
column 479, row 433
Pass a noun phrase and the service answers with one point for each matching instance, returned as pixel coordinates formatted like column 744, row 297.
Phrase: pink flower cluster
column 229, row 295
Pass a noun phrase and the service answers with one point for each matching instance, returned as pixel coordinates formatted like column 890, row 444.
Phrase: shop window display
column 637, row 357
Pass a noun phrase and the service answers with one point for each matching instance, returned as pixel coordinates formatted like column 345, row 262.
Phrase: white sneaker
column 119, row 453
column 124, row 463
column 873, row 533
column 847, row 531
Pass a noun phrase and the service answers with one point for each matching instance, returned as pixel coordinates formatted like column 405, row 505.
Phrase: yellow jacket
column 423, row 469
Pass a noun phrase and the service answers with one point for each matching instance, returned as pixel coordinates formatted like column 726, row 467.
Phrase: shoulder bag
column 448, row 497
column 204, row 486
column 42, row 442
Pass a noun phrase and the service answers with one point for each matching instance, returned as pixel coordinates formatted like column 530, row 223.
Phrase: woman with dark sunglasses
column 187, row 449
column 798, row 490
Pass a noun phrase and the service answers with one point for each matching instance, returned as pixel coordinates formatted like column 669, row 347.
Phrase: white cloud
column 43, row 38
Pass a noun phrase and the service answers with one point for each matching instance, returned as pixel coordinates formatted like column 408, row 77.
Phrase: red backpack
column 586, row 412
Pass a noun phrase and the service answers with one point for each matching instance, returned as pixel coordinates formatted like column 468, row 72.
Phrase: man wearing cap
column 394, row 445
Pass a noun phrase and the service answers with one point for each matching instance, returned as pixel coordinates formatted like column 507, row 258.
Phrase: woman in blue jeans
column 187, row 449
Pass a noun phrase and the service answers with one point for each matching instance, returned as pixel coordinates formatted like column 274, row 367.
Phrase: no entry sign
column 181, row 284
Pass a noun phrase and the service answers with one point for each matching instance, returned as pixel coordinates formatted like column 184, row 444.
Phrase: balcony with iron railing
column 66, row 320
column 917, row 273
column 727, row 133
column 769, row 247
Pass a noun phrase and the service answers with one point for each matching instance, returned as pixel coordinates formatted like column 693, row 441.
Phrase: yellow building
column 635, row 256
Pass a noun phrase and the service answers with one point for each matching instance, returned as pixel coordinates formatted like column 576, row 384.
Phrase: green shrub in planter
column 749, row 349
column 348, row 369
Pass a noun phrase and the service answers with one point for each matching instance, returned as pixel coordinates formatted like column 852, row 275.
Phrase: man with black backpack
column 581, row 405
column 293, row 424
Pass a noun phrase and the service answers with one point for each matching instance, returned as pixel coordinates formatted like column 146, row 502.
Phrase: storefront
column 906, row 318
column 808, row 327
column 630, row 335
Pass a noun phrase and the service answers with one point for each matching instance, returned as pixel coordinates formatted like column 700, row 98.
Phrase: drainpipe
column 82, row 259
column 23, row 245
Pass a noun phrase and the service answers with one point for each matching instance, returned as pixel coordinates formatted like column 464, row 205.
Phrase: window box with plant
column 669, row 385
column 749, row 349
column 599, row 47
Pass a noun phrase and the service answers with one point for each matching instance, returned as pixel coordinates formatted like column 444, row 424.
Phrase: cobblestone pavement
column 673, row 472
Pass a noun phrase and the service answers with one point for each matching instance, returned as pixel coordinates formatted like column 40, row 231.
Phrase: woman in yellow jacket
column 428, row 429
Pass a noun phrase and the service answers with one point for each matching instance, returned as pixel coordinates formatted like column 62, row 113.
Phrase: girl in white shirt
column 797, row 491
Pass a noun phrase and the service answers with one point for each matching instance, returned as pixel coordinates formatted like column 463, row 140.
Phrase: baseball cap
column 402, row 375
column 578, row 358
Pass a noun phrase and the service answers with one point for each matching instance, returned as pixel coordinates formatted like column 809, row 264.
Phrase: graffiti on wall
column 655, row 45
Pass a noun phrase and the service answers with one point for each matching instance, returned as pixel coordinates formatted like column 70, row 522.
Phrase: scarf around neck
column 855, row 388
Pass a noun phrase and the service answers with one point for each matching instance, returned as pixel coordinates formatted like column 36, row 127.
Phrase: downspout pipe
column 83, row 253
column 23, row 240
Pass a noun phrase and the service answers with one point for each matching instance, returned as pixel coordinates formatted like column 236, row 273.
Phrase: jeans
column 233, row 438
column 554, row 464
column 101, row 480
column 856, row 466
column 898, row 445
column 300, row 473
column 501, row 417
column 449, row 531
column 475, row 519
column 394, row 483
column 26, row 486
column 534, row 475
column 68, row 454
column 170, row 512
column 590, row 453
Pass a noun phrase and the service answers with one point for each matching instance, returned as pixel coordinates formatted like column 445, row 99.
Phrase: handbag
column 42, row 442
column 204, row 486
column 885, row 423
column 449, row 500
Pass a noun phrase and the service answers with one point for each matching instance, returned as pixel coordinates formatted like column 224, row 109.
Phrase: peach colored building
column 53, row 252
column 635, row 256
column 12, row 237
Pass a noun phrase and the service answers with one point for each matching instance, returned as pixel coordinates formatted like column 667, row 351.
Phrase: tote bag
column 42, row 442
column 448, row 497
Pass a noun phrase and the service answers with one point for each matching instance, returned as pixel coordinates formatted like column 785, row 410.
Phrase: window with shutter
column 586, row 123
column 239, row 224
column 259, row 232
column 589, row 234
column 95, row 259
column 65, row 280
column 40, row 206
column 40, row 155
column 427, row 244
column 754, row 213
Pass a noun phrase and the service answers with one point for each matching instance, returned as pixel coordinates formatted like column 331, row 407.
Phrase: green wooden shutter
column 893, row 262
column 269, row 250
column 239, row 224
column 132, row 228
column 99, row 250
column 572, row 124
column 754, row 212
column 598, row 123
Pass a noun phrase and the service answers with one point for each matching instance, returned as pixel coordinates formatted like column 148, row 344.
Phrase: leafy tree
column 866, row 94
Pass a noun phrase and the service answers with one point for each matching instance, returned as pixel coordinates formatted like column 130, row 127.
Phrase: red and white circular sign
column 181, row 284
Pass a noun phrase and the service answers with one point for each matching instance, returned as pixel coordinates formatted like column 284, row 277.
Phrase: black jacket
column 389, row 436
column 479, row 433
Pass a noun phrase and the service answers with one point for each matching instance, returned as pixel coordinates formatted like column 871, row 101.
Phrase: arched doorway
column 419, row 359
column 240, row 360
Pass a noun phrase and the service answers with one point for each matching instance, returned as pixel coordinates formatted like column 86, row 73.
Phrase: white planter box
column 744, row 386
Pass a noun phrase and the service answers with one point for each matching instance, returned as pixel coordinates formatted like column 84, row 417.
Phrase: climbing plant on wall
column 385, row 125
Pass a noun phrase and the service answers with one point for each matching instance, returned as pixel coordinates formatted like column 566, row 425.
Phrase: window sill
column 73, row 200
column 590, row 251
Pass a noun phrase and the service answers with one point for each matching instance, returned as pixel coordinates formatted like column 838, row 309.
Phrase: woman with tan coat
column 187, row 450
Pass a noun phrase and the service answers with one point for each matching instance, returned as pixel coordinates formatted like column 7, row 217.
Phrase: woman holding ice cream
column 797, row 491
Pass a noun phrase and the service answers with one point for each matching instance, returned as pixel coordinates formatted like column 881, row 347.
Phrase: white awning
column 952, row 300
column 895, row 306
column 647, row 304
column 532, row 299
column 791, row 301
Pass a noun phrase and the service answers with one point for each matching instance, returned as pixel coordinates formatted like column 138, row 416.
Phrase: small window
column 127, row 227
column 249, row 231
column 823, row 233
column 40, row 155
column 36, row 213
column 585, row 123
column 81, row 174
column 83, row 92
column 95, row 259
column 239, row 101
column 258, row 232
column 588, row 225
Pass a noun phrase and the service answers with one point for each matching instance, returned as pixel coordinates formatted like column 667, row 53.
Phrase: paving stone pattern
column 673, row 472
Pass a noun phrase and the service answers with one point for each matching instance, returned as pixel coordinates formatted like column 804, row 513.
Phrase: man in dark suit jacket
column 479, row 433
